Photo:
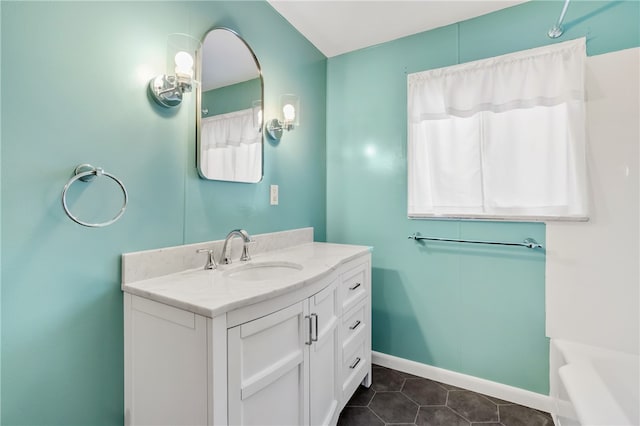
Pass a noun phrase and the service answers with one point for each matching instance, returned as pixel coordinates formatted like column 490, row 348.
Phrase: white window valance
column 230, row 129
column 231, row 147
column 544, row 76
column 500, row 137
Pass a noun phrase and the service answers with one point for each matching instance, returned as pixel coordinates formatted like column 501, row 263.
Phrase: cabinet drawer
column 355, row 324
column 353, row 287
column 354, row 368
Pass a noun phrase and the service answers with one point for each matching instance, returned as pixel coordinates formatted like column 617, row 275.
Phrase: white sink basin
column 261, row 271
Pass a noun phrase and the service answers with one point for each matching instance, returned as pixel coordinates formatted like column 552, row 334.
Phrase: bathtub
column 594, row 386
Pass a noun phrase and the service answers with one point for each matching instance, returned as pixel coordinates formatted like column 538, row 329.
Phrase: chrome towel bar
column 528, row 242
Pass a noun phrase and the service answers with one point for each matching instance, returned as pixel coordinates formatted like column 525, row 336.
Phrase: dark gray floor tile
column 496, row 400
column 439, row 416
column 517, row 415
column 449, row 387
column 393, row 407
column 544, row 413
column 361, row 397
column 465, row 408
column 425, row 392
column 407, row 375
column 358, row 416
column 473, row 406
column 385, row 379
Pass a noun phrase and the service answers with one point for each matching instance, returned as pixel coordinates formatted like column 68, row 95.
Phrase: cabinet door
column 165, row 364
column 324, row 364
column 268, row 369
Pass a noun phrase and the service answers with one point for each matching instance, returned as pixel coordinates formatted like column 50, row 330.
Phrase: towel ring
column 87, row 173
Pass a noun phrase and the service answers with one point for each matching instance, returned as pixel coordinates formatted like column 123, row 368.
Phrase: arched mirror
column 229, row 123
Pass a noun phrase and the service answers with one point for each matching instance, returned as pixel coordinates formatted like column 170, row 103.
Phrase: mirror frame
column 199, row 105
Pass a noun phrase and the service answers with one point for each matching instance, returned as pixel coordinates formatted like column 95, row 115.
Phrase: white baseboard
column 476, row 384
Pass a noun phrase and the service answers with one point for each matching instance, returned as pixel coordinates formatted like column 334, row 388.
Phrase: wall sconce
column 167, row 89
column 290, row 109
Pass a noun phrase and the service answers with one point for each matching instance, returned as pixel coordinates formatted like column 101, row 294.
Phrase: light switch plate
column 273, row 195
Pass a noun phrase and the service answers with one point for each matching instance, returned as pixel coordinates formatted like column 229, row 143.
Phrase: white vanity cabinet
column 293, row 359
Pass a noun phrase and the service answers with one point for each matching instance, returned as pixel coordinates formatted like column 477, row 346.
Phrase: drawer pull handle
column 308, row 342
column 315, row 321
column 355, row 325
column 356, row 285
column 355, row 363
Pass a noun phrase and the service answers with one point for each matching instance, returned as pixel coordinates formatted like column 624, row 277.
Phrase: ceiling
column 221, row 45
column 340, row 26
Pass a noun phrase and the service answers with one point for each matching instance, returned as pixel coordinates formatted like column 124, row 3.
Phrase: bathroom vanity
column 281, row 339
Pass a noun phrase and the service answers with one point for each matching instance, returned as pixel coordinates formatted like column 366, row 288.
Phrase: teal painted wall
column 235, row 97
column 73, row 84
column 0, row 218
column 473, row 309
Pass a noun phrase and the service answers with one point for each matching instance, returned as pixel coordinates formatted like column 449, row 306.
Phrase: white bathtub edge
column 576, row 352
column 476, row 384
column 594, row 385
column 593, row 403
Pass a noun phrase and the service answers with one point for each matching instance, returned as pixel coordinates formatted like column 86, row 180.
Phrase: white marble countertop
column 213, row 292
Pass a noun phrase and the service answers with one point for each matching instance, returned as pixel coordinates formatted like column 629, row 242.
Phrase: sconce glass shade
column 290, row 116
column 290, row 105
column 168, row 89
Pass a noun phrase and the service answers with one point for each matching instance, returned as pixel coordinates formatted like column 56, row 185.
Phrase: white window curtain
column 500, row 138
column 231, row 147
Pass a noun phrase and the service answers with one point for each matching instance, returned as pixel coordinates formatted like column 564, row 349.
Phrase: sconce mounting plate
column 165, row 91
column 274, row 129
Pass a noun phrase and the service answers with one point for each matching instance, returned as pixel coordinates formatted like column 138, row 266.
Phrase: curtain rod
column 557, row 30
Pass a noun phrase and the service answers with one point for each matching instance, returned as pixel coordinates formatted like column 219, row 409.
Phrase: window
column 500, row 138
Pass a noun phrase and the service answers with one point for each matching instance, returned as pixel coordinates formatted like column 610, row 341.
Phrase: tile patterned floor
column 400, row 399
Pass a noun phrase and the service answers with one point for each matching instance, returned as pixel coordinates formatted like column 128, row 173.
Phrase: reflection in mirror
column 229, row 126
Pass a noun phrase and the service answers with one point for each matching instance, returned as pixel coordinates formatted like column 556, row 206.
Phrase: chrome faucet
column 224, row 260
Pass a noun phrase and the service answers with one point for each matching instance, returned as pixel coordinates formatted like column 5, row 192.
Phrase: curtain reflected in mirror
column 229, row 128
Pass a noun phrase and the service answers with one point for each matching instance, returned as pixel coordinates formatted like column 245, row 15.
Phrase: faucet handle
column 211, row 263
column 245, row 251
